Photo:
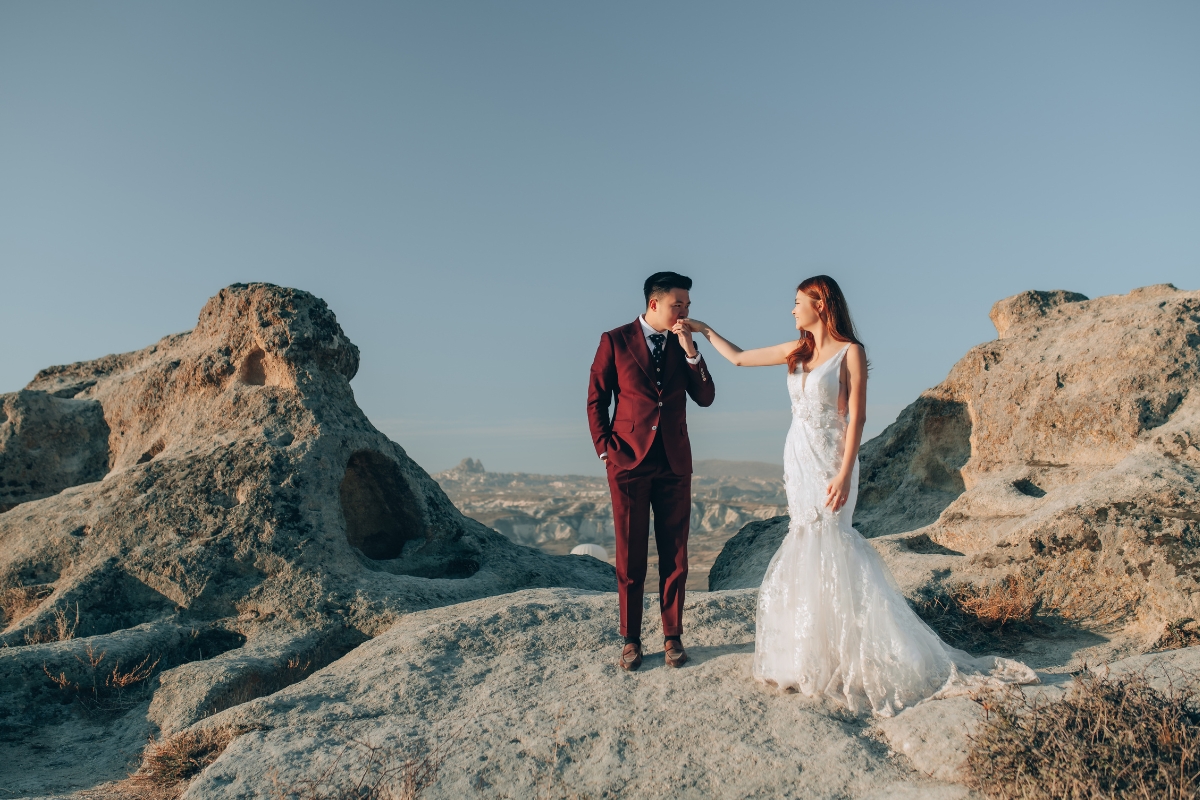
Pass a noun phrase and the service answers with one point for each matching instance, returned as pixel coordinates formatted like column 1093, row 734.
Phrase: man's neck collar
column 648, row 326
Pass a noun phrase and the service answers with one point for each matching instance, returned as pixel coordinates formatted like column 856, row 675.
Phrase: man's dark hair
column 663, row 282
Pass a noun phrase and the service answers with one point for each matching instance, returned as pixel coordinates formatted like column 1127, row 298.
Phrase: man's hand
column 684, row 331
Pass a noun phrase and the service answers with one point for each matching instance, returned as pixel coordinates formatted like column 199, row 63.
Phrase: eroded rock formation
column 216, row 493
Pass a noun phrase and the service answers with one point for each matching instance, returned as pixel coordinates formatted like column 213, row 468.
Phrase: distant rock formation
column 566, row 510
column 220, row 494
column 557, row 513
column 1068, row 449
column 468, row 466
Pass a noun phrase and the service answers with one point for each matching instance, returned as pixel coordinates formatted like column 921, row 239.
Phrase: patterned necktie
column 658, row 339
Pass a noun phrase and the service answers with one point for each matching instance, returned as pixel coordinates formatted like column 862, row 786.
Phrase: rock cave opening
column 154, row 450
column 260, row 369
column 252, row 371
column 1029, row 488
column 380, row 509
column 945, row 448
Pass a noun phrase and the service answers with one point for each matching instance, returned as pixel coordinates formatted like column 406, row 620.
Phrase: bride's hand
column 695, row 325
column 683, row 329
column 837, row 492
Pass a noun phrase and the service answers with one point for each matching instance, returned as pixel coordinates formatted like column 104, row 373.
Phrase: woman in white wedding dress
column 830, row 617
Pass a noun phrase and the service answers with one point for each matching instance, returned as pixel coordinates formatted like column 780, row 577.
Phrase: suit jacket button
column 653, row 427
column 660, row 403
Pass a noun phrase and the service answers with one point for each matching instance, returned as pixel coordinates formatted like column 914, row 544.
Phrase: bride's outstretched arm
column 855, row 365
column 762, row 357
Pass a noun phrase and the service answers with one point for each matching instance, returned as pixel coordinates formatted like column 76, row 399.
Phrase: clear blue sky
column 479, row 189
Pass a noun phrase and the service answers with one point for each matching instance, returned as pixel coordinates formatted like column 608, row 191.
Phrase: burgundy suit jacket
column 624, row 371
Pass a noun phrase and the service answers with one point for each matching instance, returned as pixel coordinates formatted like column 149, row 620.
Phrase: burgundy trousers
column 651, row 485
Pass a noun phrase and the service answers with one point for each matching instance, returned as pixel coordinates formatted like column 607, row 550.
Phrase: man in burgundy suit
column 650, row 366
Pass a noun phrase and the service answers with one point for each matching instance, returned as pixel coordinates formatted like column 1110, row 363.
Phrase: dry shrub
column 1111, row 736
column 119, row 680
column 60, row 630
column 970, row 617
column 17, row 602
column 363, row 770
column 1180, row 633
column 100, row 688
column 169, row 762
column 1012, row 599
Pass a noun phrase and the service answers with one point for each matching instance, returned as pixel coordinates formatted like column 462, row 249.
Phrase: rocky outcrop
column 1067, row 451
column 585, row 728
column 744, row 558
column 522, row 697
column 49, row 443
column 216, row 488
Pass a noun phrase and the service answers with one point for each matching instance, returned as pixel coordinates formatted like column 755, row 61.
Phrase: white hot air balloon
column 593, row 550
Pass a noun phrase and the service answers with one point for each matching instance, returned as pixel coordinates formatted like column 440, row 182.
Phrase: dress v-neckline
column 804, row 375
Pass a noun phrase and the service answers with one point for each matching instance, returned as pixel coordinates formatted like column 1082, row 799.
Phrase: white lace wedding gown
column 830, row 617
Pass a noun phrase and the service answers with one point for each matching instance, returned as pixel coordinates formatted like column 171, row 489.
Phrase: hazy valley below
column 557, row 512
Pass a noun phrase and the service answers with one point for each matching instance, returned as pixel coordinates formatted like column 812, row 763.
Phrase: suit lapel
column 636, row 343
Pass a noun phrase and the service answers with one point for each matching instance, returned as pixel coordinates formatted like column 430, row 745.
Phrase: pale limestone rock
column 524, row 693
column 50, row 443
column 220, row 492
column 934, row 735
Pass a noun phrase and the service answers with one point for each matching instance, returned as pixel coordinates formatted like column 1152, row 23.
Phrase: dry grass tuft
column 1109, row 737
column 168, row 762
column 60, row 630
column 971, row 617
column 1012, row 599
column 1180, row 633
column 18, row 601
column 123, row 680
column 363, row 770
column 100, row 688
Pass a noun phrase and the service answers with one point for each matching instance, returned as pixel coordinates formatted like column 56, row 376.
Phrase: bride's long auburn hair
column 835, row 313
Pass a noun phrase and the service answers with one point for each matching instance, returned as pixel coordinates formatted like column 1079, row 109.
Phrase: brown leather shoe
column 631, row 657
column 674, row 654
